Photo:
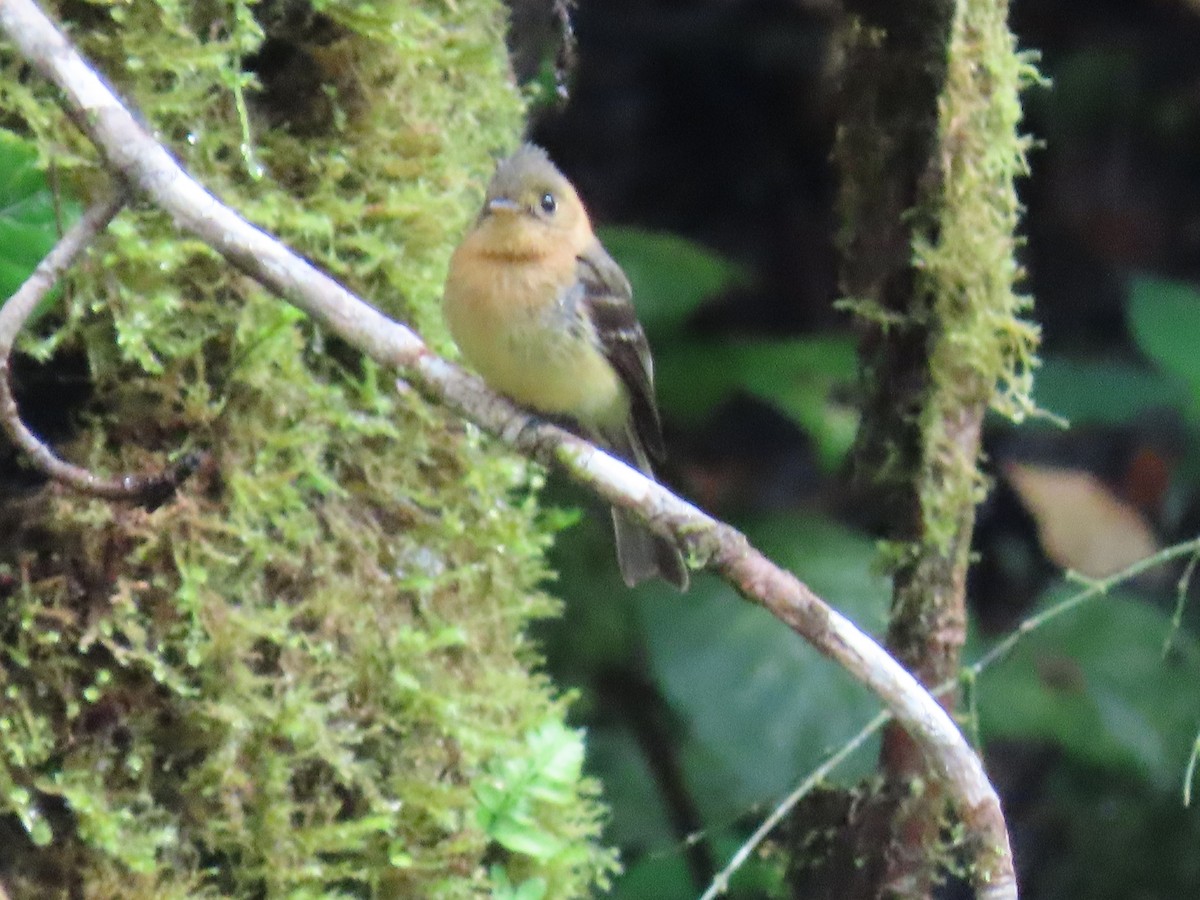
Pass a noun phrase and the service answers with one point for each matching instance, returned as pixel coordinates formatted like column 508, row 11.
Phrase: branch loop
column 150, row 490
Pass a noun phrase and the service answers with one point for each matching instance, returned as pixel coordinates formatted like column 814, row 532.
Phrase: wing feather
column 608, row 300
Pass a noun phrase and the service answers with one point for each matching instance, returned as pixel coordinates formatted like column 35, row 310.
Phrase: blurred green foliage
column 1096, row 684
column 1107, row 838
column 31, row 216
column 1104, row 391
column 671, row 276
column 741, row 709
column 745, row 744
column 800, row 377
column 1164, row 317
column 745, row 707
column 516, row 789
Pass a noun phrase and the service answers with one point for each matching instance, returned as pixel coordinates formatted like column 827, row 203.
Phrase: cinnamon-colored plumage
column 540, row 309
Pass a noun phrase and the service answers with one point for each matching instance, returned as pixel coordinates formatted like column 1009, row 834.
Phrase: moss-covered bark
column 929, row 151
column 307, row 674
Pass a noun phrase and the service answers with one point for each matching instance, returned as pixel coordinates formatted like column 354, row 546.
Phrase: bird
column 538, row 307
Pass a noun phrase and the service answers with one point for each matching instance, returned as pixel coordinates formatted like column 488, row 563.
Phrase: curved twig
column 135, row 156
column 147, row 489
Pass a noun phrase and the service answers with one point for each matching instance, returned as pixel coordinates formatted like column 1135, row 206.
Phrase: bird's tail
column 641, row 554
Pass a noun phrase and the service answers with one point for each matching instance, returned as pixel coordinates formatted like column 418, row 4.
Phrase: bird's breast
column 514, row 323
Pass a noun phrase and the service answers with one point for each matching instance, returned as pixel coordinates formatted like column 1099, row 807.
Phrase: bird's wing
column 608, row 302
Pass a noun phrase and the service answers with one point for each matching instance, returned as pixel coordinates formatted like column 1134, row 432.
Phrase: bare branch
column 145, row 164
column 149, row 489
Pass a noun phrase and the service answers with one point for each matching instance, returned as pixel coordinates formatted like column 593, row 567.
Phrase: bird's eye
column 548, row 203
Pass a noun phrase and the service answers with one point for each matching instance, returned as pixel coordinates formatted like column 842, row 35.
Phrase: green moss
column 291, row 679
column 982, row 351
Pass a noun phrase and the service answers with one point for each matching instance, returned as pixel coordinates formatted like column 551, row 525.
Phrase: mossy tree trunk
column 307, row 673
column 929, row 151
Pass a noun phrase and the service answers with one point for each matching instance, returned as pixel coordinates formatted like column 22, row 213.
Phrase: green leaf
column 1095, row 682
column 663, row 876
column 503, row 889
column 1165, row 320
column 639, row 819
column 513, row 796
column 693, row 378
column 28, row 221
column 558, row 755
column 521, row 835
column 1104, row 391
column 532, row 889
column 491, row 800
column 671, row 276
column 797, row 376
column 762, row 706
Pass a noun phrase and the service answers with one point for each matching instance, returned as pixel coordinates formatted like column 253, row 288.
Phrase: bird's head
column 531, row 208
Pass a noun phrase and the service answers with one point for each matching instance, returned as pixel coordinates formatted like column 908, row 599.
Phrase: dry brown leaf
column 1082, row 525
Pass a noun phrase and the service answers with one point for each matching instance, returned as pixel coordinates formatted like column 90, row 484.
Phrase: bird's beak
column 503, row 205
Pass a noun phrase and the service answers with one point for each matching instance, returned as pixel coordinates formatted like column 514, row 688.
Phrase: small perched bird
column 540, row 309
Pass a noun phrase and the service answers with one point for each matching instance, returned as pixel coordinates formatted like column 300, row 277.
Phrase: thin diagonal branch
column 150, row 489
column 720, row 882
column 146, row 165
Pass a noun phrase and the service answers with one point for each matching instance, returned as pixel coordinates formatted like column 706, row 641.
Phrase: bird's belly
column 536, row 356
column 552, row 372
